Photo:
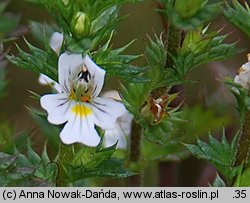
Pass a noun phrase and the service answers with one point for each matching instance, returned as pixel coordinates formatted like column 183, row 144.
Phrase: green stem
column 135, row 154
column 173, row 43
column 243, row 146
column 172, row 46
column 65, row 154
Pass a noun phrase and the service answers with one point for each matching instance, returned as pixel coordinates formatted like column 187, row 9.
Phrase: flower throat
column 81, row 88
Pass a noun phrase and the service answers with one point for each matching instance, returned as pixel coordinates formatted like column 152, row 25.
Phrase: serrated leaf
column 158, row 133
column 118, row 64
column 237, row 14
column 134, row 96
column 114, row 168
column 200, row 48
column 38, row 61
column 103, row 19
column 90, row 158
column 51, row 132
column 220, row 154
column 33, row 157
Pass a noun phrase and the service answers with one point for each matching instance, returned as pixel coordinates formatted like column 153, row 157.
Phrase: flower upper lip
column 70, row 67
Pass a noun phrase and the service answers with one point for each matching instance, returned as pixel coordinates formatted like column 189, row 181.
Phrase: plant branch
column 65, row 153
column 243, row 146
column 135, row 154
column 172, row 46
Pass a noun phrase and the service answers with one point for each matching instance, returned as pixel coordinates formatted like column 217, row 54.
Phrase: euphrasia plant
column 89, row 129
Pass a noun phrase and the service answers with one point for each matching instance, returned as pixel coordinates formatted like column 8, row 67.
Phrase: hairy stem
column 243, row 147
column 135, row 154
column 172, row 46
column 65, row 153
column 173, row 43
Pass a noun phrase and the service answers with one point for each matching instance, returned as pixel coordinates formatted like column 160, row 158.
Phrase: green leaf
column 104, row 19
column 90, row 158
column 237, row 15
column 50, row 132
column 158, row 133
column 200, row 48
column 245, row 178
column 103, row 16
column 114, row 168
column 189, row 15
column 33, row 157
column 180, row 127
column 187, row 9
column 38, row 61
column 118, row 64
column 220, row 154
column 157, row 72
column 134, row 96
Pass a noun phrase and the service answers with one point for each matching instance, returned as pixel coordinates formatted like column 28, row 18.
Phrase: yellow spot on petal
column 81, row 110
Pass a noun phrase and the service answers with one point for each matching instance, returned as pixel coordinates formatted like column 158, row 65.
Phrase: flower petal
column 113, row 136
column 57, row 106
column 56, row 42
column 97, row 75
column 68, row 64
column 45, row 80
column 106, row 112
column 125, row 123
column 80, row 128
column 112, row 94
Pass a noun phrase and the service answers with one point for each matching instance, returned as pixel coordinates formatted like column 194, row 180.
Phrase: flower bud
column 81, row 24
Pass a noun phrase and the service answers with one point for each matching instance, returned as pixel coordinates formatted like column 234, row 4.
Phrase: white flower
column 56, row 42
column 78, row 105
column 123, row 126
column 243, row 78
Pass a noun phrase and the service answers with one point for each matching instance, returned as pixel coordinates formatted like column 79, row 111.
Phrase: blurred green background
column 208, row 91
